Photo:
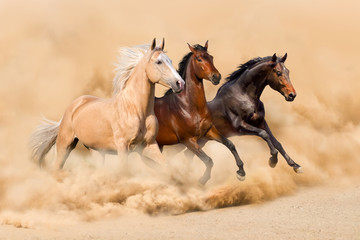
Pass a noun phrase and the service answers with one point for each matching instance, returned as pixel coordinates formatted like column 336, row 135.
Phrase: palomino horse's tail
column 43, row 139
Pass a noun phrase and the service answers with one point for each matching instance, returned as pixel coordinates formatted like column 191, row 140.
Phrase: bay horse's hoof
column 298, row 169
column 240, row 177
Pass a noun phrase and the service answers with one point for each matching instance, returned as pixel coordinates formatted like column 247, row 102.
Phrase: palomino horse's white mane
column 128, row 58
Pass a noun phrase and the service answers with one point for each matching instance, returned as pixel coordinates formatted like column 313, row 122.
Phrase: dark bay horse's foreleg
column 273, row 160
column 250, row 129
column 195, row 148
column 213, row 134
column 241, row 125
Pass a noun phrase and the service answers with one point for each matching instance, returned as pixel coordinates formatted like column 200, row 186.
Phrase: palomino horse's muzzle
column 179, row 86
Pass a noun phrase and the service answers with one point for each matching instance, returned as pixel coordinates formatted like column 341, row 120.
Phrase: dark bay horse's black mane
column 183, row 64
column 242, row 68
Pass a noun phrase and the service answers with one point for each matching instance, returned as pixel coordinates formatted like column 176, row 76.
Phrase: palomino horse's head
column 279, row 79
column 203, row 64
column 159, row 69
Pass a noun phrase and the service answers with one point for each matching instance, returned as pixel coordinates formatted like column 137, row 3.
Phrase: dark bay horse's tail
column 43, row 139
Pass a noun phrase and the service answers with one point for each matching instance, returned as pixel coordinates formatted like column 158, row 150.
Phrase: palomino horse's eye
column 158, row 62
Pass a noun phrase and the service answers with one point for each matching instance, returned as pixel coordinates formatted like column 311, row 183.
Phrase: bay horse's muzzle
column 215, row 79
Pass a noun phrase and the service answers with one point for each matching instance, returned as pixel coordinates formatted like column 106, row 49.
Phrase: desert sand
column 54, row 51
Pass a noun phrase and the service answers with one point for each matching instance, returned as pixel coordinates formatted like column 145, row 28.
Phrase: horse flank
column 128, row 58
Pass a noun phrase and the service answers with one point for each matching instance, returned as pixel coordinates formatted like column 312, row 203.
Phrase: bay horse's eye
column 278, row 73
column 199, row 59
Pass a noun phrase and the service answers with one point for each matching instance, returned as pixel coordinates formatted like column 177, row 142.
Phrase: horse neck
column 194, row 87
column 253, row 81
column 139, row 92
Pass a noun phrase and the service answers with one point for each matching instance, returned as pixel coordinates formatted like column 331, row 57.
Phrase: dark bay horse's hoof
column 273, row 161
column 240, row 176
column 298, row 169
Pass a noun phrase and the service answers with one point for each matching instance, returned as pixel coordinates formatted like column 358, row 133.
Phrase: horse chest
column 245, row 107
column 198, row 123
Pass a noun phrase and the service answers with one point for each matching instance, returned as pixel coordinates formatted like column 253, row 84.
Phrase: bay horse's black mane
column 183, row 64
column 242, row 68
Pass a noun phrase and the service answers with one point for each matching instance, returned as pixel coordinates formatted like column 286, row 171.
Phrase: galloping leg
column 297, row 168
column 258, row 132
column 152, row 156
column 63, row 149
column 214, row 134
column 195, row 148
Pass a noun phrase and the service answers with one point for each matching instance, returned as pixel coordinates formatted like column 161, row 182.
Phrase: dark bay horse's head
column 278, row 78
column 203, row 64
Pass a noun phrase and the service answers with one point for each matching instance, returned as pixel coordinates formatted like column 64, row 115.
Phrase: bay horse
column 121, row 123
column 238, row 110
column 184, row 117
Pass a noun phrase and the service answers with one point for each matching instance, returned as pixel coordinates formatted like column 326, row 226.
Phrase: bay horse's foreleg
column 273, row 160
column 195, row 148
column 213, row 134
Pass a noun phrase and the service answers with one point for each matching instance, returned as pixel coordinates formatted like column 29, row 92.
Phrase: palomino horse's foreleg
column 273, row 160
column 195, row 148
column 214, row 134
column 152, row 152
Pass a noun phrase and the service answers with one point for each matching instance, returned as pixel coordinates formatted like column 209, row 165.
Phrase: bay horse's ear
column 163, row 44
column 192, row 49
column 206, row 44
column 153, row 45
column 274, row 58
column 283, row 58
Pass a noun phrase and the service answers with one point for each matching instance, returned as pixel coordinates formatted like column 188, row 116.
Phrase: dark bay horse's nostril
column 291, row 96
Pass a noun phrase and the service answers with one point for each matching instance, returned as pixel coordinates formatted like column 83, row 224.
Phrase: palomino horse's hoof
column 298, row 169
column 241, row 178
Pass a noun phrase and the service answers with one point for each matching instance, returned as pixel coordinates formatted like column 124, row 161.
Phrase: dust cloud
column 54, row 51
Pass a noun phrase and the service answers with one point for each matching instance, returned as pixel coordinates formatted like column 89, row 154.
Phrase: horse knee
column 208, row 162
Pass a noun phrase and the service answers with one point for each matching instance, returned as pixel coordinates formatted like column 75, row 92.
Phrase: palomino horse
column 121, row 123
column 237, row 109
column 184, row 117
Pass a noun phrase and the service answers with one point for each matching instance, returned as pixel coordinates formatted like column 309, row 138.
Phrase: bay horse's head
column 159, row 69
column 278, row 78
column 203, row 64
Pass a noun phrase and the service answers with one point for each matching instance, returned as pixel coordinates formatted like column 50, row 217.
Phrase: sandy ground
column 330, row 211
column 51, row 52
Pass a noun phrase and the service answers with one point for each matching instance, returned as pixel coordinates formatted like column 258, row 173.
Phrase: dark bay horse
column 185, row 118
column 237, row 109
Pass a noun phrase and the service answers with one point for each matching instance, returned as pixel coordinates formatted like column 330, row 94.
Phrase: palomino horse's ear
column 274, row 58
column 192, row 49
column 163, row 44
column 153, row 45
column 206, row 44
column 283, row 58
